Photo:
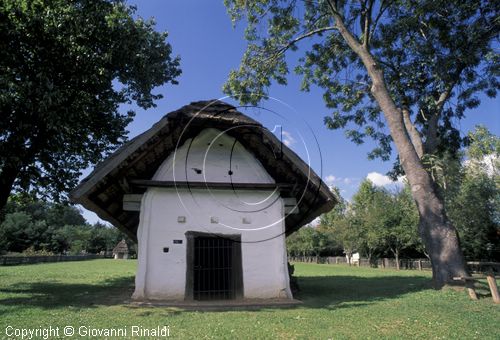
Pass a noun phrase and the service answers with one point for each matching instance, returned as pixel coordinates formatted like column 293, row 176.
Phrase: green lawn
column 339, row 302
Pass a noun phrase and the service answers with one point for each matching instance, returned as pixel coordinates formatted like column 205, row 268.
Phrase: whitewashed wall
column 256, row 215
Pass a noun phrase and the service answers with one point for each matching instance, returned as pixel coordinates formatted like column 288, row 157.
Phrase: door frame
column 237, row 276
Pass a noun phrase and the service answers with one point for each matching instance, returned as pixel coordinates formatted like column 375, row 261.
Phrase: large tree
column 65, row 68
column 390, row 70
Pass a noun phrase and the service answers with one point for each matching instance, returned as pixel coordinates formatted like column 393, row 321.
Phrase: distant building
column 353, row 259
column 120, row 252
column 209, row 194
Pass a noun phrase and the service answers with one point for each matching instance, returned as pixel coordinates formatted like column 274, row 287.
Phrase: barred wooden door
column 214, row 268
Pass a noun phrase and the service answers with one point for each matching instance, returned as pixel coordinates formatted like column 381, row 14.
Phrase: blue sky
column 202, row 34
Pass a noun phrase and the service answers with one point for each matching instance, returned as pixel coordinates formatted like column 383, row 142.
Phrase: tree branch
column 368, row 20
column 431, row 138
column 346, row 34
column 362, row 17
column 415, row 137
column 443, row 97
column 292, row 42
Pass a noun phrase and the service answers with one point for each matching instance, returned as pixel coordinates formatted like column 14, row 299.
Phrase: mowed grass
column 340, row 302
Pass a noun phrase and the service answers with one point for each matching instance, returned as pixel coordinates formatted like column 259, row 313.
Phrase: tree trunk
column 8, row 175
column 439, row 235
column 396, row 255
column 349, row 256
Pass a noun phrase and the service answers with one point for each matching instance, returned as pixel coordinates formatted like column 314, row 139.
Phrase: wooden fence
column 412, row 264
column 16, row 260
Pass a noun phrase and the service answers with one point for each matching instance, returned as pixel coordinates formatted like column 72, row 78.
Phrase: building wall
column 168, row 213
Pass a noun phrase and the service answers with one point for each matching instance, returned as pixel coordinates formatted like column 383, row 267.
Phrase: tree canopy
column 431, row 52
column 66, row 66
column 33, row 226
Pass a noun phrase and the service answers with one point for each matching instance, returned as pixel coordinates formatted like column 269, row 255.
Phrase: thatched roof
column 102, row 191
column 121, row 247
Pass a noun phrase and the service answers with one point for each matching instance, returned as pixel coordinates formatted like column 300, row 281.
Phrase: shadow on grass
column 332, row 292
column 51, row 295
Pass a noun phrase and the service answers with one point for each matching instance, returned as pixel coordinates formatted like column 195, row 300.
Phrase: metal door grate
column 214, row 274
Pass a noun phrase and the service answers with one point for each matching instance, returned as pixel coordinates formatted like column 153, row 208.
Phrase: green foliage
column 370, row 213
column 31, row 225
column 66, row 66
column 376, row 223
column 19, row 231
column 430, row 52
column 483, row 152
column 401, row 231
column 474, row 209
column 388, row 222
column 311, row 241
column 473, row 202
column 338, row 225
column 346, row 233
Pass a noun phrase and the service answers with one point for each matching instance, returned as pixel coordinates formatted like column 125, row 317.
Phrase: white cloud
column 287, row 138
column 330, row 179
column 382, row 180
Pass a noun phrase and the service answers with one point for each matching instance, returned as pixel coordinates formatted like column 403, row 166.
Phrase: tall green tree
column 474, row 200
column 65, row 67
column 346, row 233
column 389, row 70
column 400, row 230
column 474, row 209
column 302, row 242
column 19, row 231
column 341, row 225
column 483, row 153
column 369, row 213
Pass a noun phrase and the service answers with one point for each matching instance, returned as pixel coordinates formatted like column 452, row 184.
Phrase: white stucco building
column 210, row 195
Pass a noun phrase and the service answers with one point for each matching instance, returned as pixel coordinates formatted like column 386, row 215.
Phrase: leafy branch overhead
column 436, row 57
column 66, row 67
